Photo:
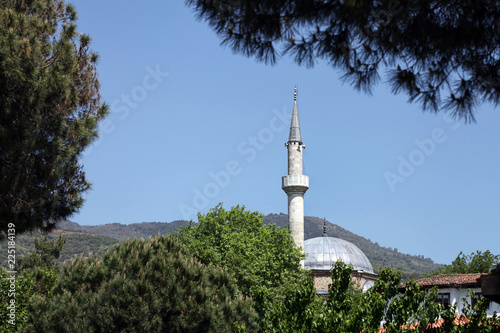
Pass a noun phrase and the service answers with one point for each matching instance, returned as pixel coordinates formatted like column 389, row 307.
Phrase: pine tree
column 44, row 256
column 49, row 110
column 427, row 48
column 153, row 285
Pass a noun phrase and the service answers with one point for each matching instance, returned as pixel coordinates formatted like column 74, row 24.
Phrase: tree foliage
column 264, row 263
column 476, row 262
column 160, row 285
column 442, row 54
column 49, row 110
column 20, row 289
column 45, row 254
column 256, row 255
column 261, row 259
column 36, row 275
column 347, row 309
column 153, row 285
column 386, row 307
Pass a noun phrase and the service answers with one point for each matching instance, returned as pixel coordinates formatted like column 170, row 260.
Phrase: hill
column 126, row 231
column 412, row 266
column 83, row 239
column 77, row 243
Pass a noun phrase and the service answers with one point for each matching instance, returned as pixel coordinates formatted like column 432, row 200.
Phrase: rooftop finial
column 295, row 94
column 324, row 227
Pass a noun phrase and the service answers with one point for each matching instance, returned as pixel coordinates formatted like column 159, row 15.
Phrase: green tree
column 50, row 107
column 41, row 265
column 383, row 305
column 476, row 262
column 153, row 285
column 347, row 309
column 36, row 274
column 471, row 319
column 256, row 255
column 261, row 259
column 298, row 310
column 264, row 262
column 386, row 307
column 442, row 54
column 15, row 294
column 45, row 254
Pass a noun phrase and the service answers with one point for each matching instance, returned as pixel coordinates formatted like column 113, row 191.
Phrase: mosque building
column 321, row 252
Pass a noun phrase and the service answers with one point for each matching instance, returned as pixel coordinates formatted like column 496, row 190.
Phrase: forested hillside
column 77, row 243
column 83, row 239
column 412, row 266
column 126, row 231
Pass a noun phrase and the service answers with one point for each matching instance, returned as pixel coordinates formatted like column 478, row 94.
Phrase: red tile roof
column 452, row 280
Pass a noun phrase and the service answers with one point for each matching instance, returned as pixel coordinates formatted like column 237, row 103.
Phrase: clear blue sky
column 186, row 110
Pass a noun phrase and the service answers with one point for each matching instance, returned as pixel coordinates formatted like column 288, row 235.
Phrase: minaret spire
column 295, row 184
column 295, row 126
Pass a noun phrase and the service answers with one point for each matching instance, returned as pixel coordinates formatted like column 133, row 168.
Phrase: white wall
column 456, row 296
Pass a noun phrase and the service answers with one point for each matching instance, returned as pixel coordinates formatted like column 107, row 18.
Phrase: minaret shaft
column 294, row 159
column 295, row 184
column 296, row 217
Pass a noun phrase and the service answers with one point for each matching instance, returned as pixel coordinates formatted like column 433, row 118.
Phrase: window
column 475, row 298
column 444, row 299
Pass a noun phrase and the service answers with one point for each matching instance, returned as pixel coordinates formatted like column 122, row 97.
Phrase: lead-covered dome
column 323, row 252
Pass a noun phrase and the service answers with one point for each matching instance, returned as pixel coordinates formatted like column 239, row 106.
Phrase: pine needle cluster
column 443, row 54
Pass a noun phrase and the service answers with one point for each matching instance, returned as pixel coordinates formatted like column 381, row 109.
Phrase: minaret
column 295, row 184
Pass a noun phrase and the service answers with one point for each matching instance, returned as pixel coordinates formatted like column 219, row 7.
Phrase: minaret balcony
column 294, row 183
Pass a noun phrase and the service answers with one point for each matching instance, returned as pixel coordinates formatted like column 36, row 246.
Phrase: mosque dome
column 323, row 252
